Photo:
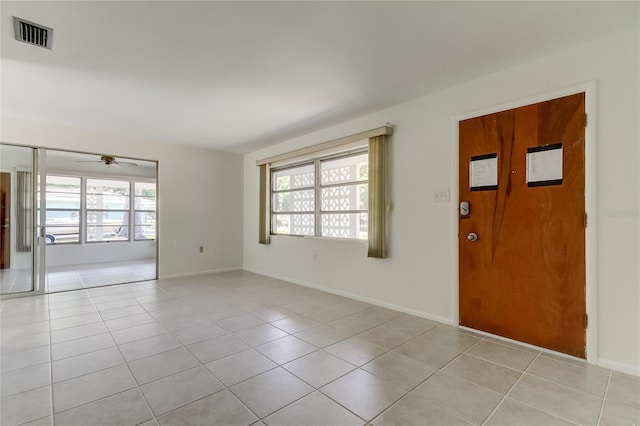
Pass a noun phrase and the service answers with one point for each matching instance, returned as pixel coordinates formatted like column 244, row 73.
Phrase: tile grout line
column 189, row 297
column 438, row 370
column 478, row 357
column 144, row 398
column 278, row 365
column 564, row 385
column 411, row 390
column 382, row 354
column 441, row 370
column 128, row 369
column 251, row 347
column 319, row 390
column 528, row 404
column 53, row 417
column 522, row 373
column 604, row 398
column 356, row 366
column 225, row 387
column 115, row 346
column 545, row 355
column 379, row 378
column 315, row 389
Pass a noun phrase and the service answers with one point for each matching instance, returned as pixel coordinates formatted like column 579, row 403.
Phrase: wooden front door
column 524, row 276
column 5, row 217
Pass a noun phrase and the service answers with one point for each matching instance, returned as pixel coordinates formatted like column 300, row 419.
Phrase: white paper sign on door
column 483, row 172
column 544, row 165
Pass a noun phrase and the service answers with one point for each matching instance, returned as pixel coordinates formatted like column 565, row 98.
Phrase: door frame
column 8, row 252
column 590, row 90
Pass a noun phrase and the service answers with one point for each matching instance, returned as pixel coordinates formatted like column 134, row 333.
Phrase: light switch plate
column 441, row 195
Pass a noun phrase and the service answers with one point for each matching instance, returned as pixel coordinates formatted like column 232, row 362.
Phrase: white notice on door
column 483, row 172
column 544, row 165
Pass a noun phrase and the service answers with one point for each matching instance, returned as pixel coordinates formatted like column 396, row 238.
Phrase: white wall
column 200, row 191
column 116, row 251
column 417, row 275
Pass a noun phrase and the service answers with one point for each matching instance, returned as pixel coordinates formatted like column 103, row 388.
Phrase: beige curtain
column 24, row 211
column 264, row 216
column 378, row 176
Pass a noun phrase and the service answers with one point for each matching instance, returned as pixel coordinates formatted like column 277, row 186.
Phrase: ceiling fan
column 109, row 160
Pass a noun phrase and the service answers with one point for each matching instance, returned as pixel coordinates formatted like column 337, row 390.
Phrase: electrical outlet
column 201, row 249
column 315, row 258
column 441, row 195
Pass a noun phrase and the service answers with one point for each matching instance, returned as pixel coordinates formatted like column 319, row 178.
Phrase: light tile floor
column 239, row 348
column 75, row 277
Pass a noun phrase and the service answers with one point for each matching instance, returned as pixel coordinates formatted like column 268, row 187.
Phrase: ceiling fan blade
column 109, row 160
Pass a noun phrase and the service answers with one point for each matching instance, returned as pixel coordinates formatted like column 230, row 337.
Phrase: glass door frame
column 39, row 221
column 37, row 252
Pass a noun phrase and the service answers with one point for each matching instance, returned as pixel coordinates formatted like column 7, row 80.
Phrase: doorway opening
column 95, row 217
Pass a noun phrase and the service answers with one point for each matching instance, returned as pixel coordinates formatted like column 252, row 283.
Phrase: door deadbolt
column 465, row 208
column 472, row 236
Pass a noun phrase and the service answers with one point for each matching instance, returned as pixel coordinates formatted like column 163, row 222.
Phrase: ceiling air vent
column 32, row 33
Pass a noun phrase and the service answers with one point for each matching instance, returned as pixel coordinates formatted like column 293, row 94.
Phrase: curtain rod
column 384, row 130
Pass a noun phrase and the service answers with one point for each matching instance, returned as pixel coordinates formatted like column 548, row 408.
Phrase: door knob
column 472, row 236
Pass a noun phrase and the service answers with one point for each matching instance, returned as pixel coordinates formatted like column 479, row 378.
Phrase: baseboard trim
column 193, row 274
column 375, row 302
column 620, row 367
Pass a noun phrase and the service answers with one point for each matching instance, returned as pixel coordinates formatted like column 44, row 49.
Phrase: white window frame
column 317, row 212
column 135, row 211
column 56, row 209
column 83, row 211
column 87, row 210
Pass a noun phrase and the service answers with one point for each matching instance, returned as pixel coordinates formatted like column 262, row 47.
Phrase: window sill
column 338, row 240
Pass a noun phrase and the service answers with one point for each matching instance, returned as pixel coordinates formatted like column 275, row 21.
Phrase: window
column 144, row 211
column 293, row 200
column 344, row 193
column 334, row 195
column 99, row 210
column 62, row 224
column 339, row 183
column 107, row 211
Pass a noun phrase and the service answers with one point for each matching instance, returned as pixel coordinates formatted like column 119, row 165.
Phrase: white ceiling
column 235, row 76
